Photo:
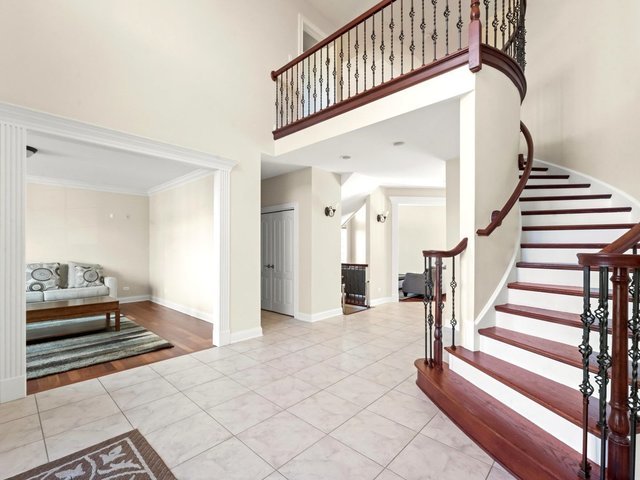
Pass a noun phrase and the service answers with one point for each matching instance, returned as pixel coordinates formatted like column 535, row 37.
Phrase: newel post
column 618, row 442
column 475, row 38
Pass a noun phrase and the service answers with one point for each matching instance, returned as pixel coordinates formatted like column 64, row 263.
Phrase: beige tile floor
column 330, row 400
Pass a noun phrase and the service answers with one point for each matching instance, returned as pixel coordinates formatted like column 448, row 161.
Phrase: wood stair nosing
column 603, row 196
column 548, row 177
column 557, row 186
column 586, row 246
column 596, row 226
column 560, row 399
column 553, row 266
column 518, row 444
column 554, row 289
column 574, row 211
column 552, row 316
column 536, row 169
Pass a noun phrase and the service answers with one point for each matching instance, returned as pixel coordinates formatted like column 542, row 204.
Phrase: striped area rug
column 64, row 354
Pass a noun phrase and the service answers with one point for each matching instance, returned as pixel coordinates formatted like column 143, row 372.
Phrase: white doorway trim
column 395, row 232
column 304, row 25
column 26, row 120
column 296, row 239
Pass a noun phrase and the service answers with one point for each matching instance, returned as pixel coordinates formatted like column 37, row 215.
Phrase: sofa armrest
column 112, row 284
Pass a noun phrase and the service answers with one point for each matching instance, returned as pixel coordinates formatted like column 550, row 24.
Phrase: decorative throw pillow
column 43, row 276
column 84, row 275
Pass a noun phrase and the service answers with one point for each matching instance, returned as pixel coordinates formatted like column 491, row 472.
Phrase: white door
column 277, row 262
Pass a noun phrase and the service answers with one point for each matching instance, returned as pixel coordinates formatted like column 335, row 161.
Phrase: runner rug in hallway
column 68, row 353
column 127, row 456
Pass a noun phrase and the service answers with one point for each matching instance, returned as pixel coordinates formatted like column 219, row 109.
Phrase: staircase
column 518, row 396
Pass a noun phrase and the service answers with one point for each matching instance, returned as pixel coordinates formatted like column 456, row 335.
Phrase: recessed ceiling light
column 398, row 144
column 345, row 157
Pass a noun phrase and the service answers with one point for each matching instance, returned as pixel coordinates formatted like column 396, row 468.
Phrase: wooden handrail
column 337, row 34
column 498, row 216
column 613, row 260
column 625, row 242
column 461, row 247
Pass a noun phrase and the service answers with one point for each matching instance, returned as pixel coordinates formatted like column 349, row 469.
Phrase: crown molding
column 59, row 182
column 177, row 182
column 49, row 124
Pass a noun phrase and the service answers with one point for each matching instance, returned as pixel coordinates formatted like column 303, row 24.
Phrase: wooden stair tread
column 552, row 266
column 565, row 245
column 557, row 351
column 553, row 289
column 603, row 196
column 573, row 211
column 553, row 316
column 518, row 444
column 595, row 226
column 557, row 186
column 560, row 399
column 536, row 169
column 549, row 177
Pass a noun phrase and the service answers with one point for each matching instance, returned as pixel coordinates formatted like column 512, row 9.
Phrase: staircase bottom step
column 523, row 448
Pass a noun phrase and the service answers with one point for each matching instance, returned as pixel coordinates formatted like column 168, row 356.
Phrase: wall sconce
column 329, row 211
column 382, row 217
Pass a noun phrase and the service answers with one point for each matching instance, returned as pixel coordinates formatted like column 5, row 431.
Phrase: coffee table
column 75, row 308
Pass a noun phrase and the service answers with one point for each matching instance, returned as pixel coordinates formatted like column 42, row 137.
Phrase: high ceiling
column 430, row 137
column 67, row 161
column 342, row 12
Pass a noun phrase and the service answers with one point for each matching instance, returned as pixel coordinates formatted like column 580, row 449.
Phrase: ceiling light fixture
column 345, row 157
column 31, row 151
column 398, row 144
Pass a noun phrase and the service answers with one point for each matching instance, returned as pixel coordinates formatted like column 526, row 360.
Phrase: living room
column 102, row 225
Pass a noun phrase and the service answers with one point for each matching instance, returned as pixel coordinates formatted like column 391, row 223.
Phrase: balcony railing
column 392, row 46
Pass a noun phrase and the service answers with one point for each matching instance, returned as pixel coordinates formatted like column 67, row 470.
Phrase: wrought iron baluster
column 437, row 342
column 328, row 87
column 281, row 101
column 342, row 67
column 302, row 99
column 604, row 361
column 634, row 354
column 277, row 103
column 460, row 24
column 364, row 57
column 401, row 38
column 382, row 46
column 297, row 91
column 349, row 64
column 434, row 35
column 495, row 23
column 373, row 51
column 447, row 13
column 290, row 92
column 392, row 25
column 453, row 286
column 585, row 387
column 412, row 45
column 357, row 47
column 486, row 21
column 321, row 80
column 309, row 85
column 286, row 96
column 335, row 78
column 428, row 310
column 423, row 29
column 503, row 24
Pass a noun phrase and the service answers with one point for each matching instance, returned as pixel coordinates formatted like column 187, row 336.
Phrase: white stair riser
column 547, row 181
column 575, row 219
column 551, row 301
column 549, row 330
column 547, row 192
column 554, row 255
column 554, row 277
column 562, row 204
column 572, row 236
column 564, row 430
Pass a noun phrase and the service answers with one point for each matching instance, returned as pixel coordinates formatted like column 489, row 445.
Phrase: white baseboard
column 135, row 298
column 13, row 388
column 207, row 317
column 316, row 317
column 381, row 301
column 242, row 335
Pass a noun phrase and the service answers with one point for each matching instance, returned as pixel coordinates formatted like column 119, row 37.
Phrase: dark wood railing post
column 437, row 343
column 475, row 38
column 618, row 443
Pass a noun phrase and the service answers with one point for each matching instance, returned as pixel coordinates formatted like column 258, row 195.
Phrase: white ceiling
column 431, row 137
column 65, row 161
column 342, row 12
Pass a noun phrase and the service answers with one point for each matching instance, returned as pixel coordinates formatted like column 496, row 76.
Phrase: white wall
column 379, row 247
column 72, row 224
column 181, row 247
column 582, row 101
column 357, row 237
column 192, row 73
column 419, row 228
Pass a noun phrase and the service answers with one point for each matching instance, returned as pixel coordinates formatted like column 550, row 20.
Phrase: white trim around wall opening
column 305, row 26
column 396, row 202
column 296, row 249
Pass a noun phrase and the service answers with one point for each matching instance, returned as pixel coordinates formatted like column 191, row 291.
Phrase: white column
column 222, row 249
column 12, row 262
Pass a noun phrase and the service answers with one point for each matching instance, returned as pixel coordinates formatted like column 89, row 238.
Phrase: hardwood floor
column 187, row 334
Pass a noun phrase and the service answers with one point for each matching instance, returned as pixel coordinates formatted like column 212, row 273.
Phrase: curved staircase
column 522, row 386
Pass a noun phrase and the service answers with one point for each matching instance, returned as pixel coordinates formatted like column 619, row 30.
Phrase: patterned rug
column 126, row 457
column 68, row 353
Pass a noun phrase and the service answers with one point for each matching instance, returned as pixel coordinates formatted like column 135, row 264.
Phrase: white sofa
column 40, row 330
